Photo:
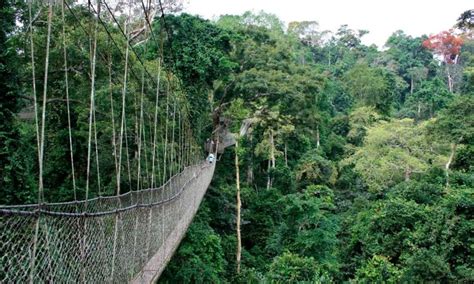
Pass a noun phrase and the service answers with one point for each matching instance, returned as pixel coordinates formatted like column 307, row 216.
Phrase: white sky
column 380, row 17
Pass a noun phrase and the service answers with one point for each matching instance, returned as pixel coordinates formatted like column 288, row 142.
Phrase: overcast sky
column 379, row 17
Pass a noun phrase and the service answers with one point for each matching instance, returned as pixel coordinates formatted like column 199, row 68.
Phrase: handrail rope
column 35, row 237
column 142, row 94
column 124, row 91
column 108, row 34
column 124, row 34
column 96, row 53
column 78, row 202
column 127, row 152
column 67, row 101
column 161, row 45
column 33, row 73
column 96, row 153
column 40, row 209
column 155, row 125
column 145, row 141
column 157, row 94
column 92, row 105
column 143, row 125
column 94, row 117
column 114, row 42
column 166, row 132
column 170, row 36
column 114, row 136
column 173, row 146
column 43, row 114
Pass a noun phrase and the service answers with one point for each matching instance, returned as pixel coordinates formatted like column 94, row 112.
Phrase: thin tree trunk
column 412, row 87
column 450, row 79
column 450, row 161
column 238, row 205
column 286, row 155
column 407, row 173
column 272, row 162
column 318, row 142
column 269, row 182
column 272, row 149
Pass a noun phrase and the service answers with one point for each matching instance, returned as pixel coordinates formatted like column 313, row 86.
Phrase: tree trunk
column 250, row 166
column 450, row 161
column 412, row 87
column 238, row 205
column 407, row 173
column 317, row 137
column 269, row 181
column 272, row 149
column 286, row 155
column 271, row 162
column 450, row 79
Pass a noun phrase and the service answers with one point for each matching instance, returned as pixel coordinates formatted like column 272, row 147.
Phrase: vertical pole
column 238, row 205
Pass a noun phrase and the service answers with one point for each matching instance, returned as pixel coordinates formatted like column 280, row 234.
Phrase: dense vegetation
column 357, row 163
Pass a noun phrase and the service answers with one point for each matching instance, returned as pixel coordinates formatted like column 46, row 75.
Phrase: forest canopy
column 356, row 163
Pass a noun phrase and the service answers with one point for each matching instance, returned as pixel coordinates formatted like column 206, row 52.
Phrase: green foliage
column 291, row 268
column 372, row 87
column 429, row 98
column 200, row 258
column 8, row 107
column 315, row 169
column 456, row 123
column 341, row 166
column 392, row 152
column 309, row 226
column 377, row 270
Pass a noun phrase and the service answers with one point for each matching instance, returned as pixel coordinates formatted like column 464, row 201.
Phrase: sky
column 380, row 17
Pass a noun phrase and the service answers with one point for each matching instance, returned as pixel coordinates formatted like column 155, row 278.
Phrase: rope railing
column 68, row 229
column 93, row 209
column 110, row 230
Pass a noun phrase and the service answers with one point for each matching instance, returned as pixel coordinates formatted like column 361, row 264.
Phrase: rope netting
column 110, row 125
column 106, row 239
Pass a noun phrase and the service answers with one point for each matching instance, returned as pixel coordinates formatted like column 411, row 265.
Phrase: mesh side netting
column 108, row 239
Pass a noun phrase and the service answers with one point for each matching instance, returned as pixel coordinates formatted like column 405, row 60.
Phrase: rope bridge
column 116, row 239
column 103, row 217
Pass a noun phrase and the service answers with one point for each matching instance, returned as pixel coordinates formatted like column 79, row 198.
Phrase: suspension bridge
column 131, row 166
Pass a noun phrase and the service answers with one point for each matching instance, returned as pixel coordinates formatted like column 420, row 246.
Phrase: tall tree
column 8, row 99
column 455, row 125
column 448, row 46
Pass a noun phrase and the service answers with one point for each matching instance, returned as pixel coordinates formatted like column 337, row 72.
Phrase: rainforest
column 350, row 162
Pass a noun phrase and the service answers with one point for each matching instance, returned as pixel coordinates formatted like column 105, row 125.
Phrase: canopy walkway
column 115, row 126
column 113, row 239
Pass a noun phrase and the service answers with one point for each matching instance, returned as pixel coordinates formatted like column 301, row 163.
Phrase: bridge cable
column 92, row 105
column 67, row 101
column 35, row 237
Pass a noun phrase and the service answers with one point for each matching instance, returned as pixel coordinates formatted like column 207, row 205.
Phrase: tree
column 291, row 268
column 448, row 46
column 360, row 120
column 199, row 258
column 312, row 168
column 455, row 125
column 431, row 97
column 371, row 87
column 10, row 177
column 309, row 226
column 308, row 32
column 378, row 269
column 392, row 152
column 407, row 57
column 466, row 21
